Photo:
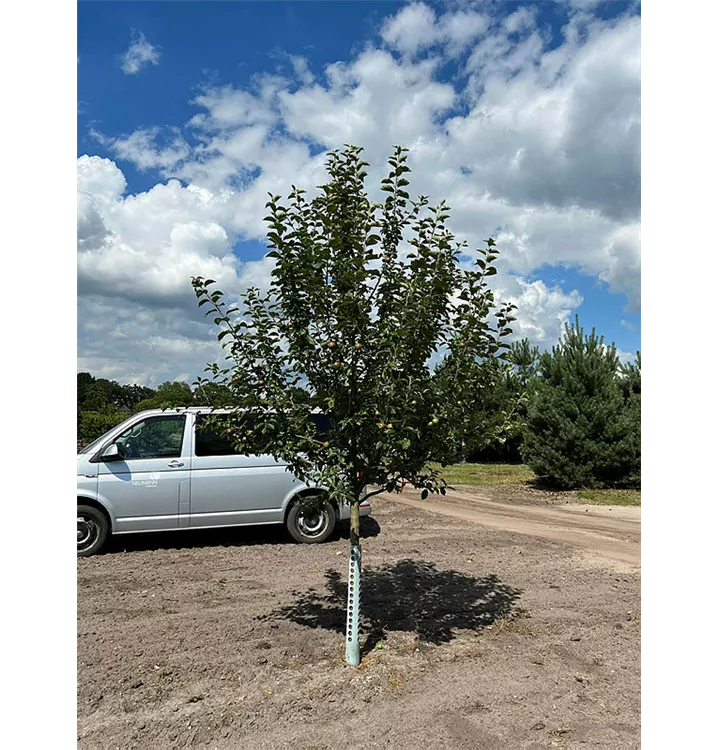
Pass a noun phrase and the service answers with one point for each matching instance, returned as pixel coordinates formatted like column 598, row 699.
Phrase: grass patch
column 611, row 497
column 487, row 474
column 478, row 475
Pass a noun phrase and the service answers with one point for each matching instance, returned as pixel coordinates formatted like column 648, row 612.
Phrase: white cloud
column 146, row 247
column 302, row 70
column 541, row 310
column 228, row 107
column 138, row 54
column 522, row 19
column 537, row 147
column 141, row 147
column 416, row 27
column 625, row 357
column 411, row 28
column 99, row 178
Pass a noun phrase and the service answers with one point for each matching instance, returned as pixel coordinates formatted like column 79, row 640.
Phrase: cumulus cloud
column 541, row 310
column 536, row 144
column 625, row 358
column 138, row 54
column 143, row 148
column 417, row 27
column 146, row 247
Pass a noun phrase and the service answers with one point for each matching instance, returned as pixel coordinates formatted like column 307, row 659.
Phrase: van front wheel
column 311, row 522
column 92, row 528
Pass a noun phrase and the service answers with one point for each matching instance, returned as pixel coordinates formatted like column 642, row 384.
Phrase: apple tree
column 375, row 316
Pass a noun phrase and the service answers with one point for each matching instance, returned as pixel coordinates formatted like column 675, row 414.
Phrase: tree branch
column 374, row 492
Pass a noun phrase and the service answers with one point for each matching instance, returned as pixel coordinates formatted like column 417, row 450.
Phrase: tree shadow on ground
column 410, row 596
column 368, row 527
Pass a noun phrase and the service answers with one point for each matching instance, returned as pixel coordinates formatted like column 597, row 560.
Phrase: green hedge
column 92, row 424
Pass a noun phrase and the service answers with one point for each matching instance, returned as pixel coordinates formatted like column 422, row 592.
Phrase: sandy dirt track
column 611, row 534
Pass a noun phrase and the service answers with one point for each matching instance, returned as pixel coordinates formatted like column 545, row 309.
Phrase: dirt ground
column 475, row 636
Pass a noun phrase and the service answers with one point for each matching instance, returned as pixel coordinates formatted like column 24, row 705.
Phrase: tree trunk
column 352, row 654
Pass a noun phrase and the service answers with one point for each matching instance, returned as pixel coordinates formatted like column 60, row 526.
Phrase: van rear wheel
column 92, row 528
column 310, row 521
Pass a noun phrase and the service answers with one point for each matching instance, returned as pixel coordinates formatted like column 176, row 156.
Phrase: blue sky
column 526, row 117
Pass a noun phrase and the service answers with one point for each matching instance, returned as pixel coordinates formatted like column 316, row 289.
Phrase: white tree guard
column 352, row 654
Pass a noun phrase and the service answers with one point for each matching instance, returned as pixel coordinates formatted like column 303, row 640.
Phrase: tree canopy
column 371, row 318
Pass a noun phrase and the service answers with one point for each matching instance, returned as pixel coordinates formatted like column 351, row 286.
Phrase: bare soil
column 475, row 636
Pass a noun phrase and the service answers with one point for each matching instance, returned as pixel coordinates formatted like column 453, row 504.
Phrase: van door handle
column 175, row 464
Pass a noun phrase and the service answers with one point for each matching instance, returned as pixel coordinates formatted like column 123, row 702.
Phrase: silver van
column 159, row 471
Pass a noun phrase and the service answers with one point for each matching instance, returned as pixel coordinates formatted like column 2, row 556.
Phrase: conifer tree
column 579, row 430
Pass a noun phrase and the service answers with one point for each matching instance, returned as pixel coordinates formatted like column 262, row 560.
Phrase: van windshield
column 95, row 444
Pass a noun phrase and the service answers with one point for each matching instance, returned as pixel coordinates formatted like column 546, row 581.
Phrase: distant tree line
column 574, row 412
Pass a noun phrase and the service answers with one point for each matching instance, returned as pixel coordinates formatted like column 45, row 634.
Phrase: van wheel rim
column 312, row 524
column 87, row 532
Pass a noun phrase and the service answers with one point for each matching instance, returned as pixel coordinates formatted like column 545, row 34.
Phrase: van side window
column 208, row 442
column 154, row 437
column 321, row 422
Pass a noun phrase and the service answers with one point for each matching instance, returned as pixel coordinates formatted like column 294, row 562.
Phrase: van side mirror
column 112, row 453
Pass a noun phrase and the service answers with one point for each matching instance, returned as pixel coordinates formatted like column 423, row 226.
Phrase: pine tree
column 525, row 360
column 630, row 383
column 580, row 431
